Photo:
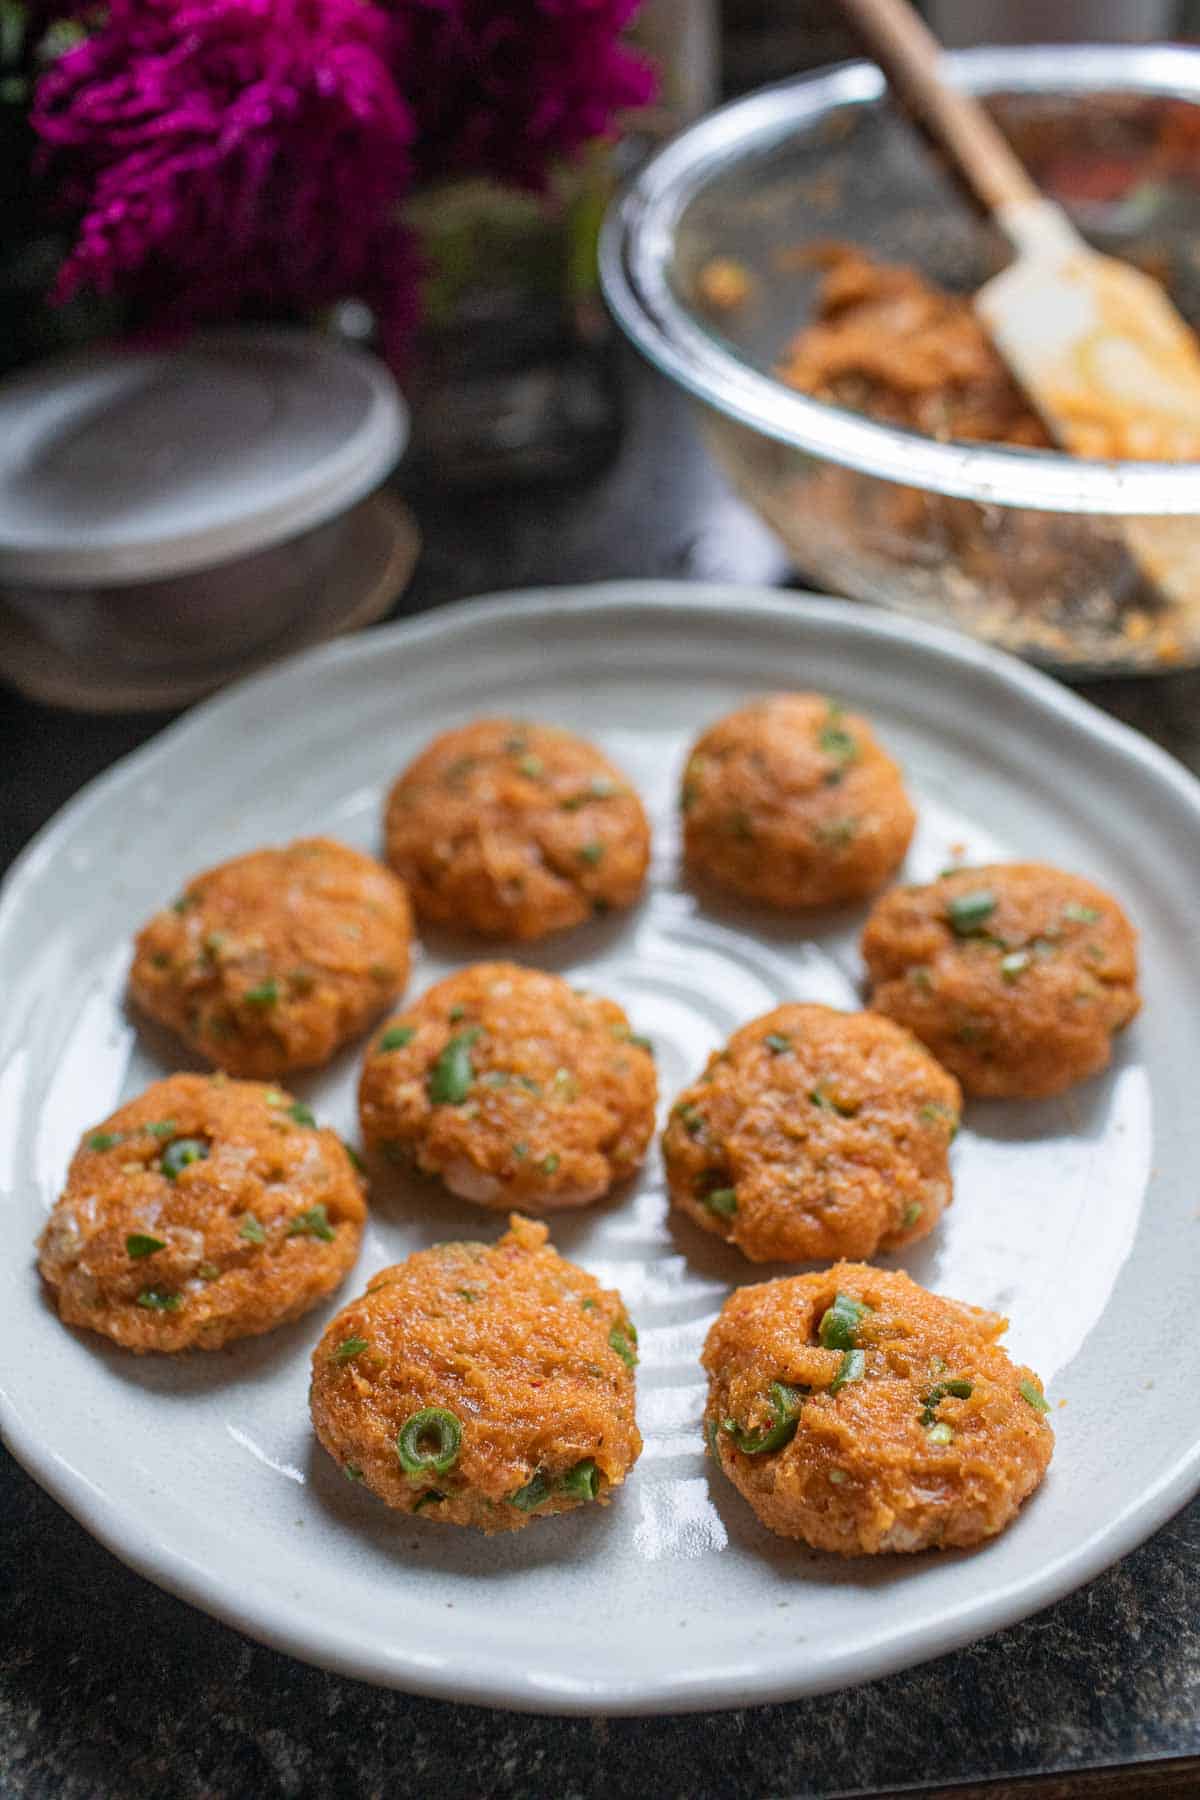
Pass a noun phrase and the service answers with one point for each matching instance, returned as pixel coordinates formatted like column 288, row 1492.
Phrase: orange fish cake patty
column 861, row 1413
column 515, row 830
column 205, row 1210
column 792, row 802
column 481, row 1385
column 273, row 961
column 1016, row 975
column 815, row 1134
column 514, row 1088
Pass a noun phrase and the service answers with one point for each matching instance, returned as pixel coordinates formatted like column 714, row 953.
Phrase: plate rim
column 284, row 1624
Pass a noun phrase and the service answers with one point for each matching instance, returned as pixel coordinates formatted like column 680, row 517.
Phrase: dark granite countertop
column 110, row 1688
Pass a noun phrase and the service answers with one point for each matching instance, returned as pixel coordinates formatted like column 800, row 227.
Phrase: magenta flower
column 232, row 155
column 508, row 89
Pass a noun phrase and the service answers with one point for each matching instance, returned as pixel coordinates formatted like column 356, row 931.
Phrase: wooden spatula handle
column 910, row 56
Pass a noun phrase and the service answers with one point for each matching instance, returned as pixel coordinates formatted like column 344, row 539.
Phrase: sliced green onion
column 396, row 1037
column 302, row 1114
column 348, row 1349
column 583, row 1481
column 452, row 1074
column 588, row 1305
column 530, row 1497
column 839, row 1325
column 265, row 994
column 820, row 1096
column 777, row 1043
column 429, row 1441
column 956, row 1385
column 722, row 1201
column 854, row 1367
column 591, row 853
column 533, row 767
column 692, row 1118
column 430, row 1497
column 967, row 912
column 838, row 743
column 549, row 1163
column 312, row 1223
column 1034, row 1396
column 785, row 1404
column 251, row 1230
column 912, row 1213
column 624, row 1342
column 161, row 1128
column 177, row 1156
column 355, row 1159
column 352, row 1472
column 159, row 1300
column 105, row 1140
column 208, row 1271
column 1080, row 915
column 1015, row 963
column 138, row 1244
column 837, row 831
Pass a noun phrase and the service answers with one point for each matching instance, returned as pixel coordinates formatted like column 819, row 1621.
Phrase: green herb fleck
column 352, row 1472
column 582, row 1482
column 302, row 1114
column 820, row 1096
column 208, row 1271
column 161, row 1128
column 1034, row 1397
column 348, row 1349
column 264, row 995
column 396, row 1037
column 837, row 831
column 934, row 1113
column 452, row 1074
column 431, row 1497
column 722, row 1201
column 838, row 743
column 185, row 903
column 314, row 1222
column 530, row 1497
column 590, row 853
column 967, row 912
column 139, row 1244
column 1080, row 915
column 786, row 1403
column 355, row 1159
column 955, row 1385
column 588, row 1305
column 251, row 1230
column 105, row 1140
column 549, row 1163
column 520, row 1150
column 692, row 1119
column 624, row 1342
column 911, row 1214
column 177, row 1156
column 533, row 767
column 456, row 1013
column 159, row 1300
column 777, row 1043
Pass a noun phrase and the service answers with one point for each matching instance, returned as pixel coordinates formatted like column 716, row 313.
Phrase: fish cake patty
column 791, row 802
column 815, row 1134
column 861, row 1413
column 484, row 1385
column 203, row 1211
column 273, row 961
column 513, row 1088
column 514, row 830
column 1016, row 975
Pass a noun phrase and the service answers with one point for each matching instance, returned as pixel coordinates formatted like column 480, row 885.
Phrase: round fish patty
column 815, row 1134
column 516, row 830
column 514, row 1088
column 861, row 1413
column 1016, row 975
column 484, row 1385
column 273, row 961
column 791, row 802
column 205, row 1210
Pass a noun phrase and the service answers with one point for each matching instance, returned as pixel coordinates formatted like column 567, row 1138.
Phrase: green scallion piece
column 623, row 1339
column 265, row 994
column 532, row 766
column 839, row 1325
column 777, row 1043
column 838, row 743
column 161, row 1128
column 105, row 1140
column 177, row 1156
column 430, row 1497
column 139, row 1244
column 348, row 1349
column 452, row 1074
column 854, row 1367
column 591, row 853
column 428, row 1443
column 1080, row 915
column 549, row 1163
column 582, row 1482
column 312, row 1223
column 302, row 1114
column 352, row 1472
column 396, row 1037
column 967, row 912
column 530, row 1497
column 722, row 1201
column 251, row 1230
column 955, row 1385
column 911, row 1214
column 159, row 1300
column 1034, row 1397
column 785, row 1403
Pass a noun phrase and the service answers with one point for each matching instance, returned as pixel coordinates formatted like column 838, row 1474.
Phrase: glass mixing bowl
column 1022, row 547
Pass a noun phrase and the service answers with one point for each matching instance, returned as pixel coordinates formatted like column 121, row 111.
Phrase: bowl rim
column 639, row 233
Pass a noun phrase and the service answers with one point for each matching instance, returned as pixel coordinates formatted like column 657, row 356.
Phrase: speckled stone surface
column 109, row 1688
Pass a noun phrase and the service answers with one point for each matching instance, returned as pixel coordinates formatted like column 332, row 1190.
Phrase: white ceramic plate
column 1076, row 1217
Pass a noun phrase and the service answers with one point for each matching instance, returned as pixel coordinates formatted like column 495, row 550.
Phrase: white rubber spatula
column 1097, row 346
